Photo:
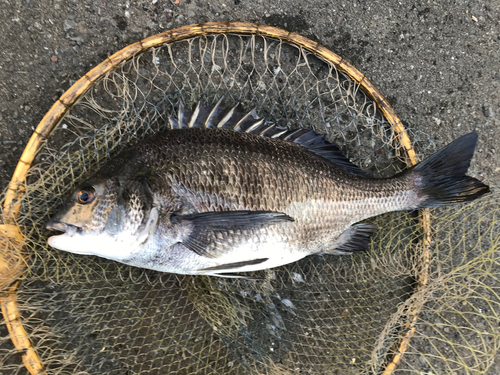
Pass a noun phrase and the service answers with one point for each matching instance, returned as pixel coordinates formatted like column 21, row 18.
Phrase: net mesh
column 323, row 314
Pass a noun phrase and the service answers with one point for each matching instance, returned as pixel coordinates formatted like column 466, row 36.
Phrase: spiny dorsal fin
column 194, row 116
column 249, row 117
column 172, row 123
column 181, row 115
column 210, row 121
column 253, row 128
column 225, row 122
column 248, row 122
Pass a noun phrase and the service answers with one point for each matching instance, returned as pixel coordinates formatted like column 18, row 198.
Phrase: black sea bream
column 224, row 192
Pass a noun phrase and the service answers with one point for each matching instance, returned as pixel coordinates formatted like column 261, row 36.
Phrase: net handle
column 58, row 110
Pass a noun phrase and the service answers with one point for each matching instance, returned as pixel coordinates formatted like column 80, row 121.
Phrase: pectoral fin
column 214, row 233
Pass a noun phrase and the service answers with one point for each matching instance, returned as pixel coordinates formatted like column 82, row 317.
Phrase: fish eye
column 86, row 195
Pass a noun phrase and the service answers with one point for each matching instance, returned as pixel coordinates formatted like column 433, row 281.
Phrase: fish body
column 224, row 192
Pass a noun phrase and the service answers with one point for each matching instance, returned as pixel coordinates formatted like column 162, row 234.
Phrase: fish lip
column 69, row 229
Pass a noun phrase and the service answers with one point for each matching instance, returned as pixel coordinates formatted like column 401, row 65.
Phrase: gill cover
column 110, row 218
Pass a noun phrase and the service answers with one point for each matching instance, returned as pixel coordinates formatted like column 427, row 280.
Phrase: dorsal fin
column 228, row 118
column 237, row 119
column 181, row 115
column 194, row 116
column 320, row 146
column 211, row 122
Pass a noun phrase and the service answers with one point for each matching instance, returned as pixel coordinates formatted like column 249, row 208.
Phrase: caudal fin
column 441, row 178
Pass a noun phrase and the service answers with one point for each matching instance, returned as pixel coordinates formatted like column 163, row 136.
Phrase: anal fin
column 355, row 238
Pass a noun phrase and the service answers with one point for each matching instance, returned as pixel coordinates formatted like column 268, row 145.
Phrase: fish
column 223, row 191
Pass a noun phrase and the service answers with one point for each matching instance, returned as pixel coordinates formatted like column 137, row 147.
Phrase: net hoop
column 12, row 264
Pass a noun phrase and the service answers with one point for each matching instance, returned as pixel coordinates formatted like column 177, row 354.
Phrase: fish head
column 108, row 217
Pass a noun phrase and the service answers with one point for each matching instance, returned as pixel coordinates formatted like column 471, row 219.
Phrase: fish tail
column 441, row 178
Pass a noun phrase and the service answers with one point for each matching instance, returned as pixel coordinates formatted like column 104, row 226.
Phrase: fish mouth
column 69, row 229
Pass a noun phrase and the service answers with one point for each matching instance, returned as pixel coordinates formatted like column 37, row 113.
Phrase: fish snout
column 69, row 229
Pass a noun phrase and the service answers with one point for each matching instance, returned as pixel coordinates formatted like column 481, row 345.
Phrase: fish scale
column 224, row 192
